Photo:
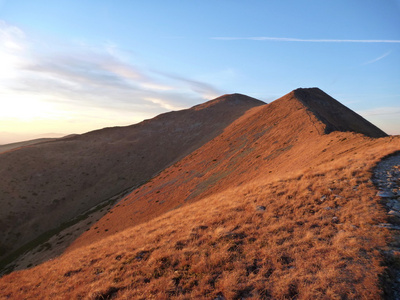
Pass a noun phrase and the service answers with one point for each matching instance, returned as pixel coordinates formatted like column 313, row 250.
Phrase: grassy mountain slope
column 316, row 238
column 272, row 139
column 45, row 185
column 271, row 208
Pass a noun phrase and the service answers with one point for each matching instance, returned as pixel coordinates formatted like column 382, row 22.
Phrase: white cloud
column 207, row 91
column 76, row 87
column 163, row 103
column 284, row 39
column 377, row 59
column 10, row 36
column 68, row 79
column 12, row 48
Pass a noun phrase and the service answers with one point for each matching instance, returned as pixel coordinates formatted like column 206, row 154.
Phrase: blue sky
column 75, row 66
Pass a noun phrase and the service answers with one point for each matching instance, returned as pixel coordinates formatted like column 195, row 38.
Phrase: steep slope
column 267, row 139
column 335, row 115
column 272, row 208
column 46, row 184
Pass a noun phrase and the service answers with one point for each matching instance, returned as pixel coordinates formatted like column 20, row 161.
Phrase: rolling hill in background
column 231, row 199
column 11, row 146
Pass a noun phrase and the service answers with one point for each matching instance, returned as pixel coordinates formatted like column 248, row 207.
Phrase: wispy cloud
column 207, row 91
column 10, row 36
column 285, row 39
column 87, row 76
column 377, row 59
column 381, row 111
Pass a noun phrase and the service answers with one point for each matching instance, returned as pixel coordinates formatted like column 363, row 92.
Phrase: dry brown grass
column 47, row 184
column 198, row 230
column 316, row 239
column 270, row 141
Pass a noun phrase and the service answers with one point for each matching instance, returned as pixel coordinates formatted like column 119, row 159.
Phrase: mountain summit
column 335, row 115
column 235, row 99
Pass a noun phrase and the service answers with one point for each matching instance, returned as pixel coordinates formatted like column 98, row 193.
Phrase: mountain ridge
column 274, row 206
column 274, row 132
column 64, row 178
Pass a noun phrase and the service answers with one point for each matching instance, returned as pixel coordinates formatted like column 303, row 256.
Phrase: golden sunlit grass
column 316, row 239
column 44, row 186
column 272, row 208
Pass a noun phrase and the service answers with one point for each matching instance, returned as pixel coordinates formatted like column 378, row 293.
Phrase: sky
column 74, row 66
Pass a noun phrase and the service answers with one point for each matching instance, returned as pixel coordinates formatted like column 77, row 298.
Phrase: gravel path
column 387, row 180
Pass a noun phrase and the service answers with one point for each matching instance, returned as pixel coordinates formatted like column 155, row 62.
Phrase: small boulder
column 385, row 194
column 394, row 213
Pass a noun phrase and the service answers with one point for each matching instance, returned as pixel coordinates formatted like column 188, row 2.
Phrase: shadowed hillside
column 278, row 205
column 46, row 184
column 335, row 115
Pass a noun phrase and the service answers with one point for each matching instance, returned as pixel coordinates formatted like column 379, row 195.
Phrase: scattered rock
column 385, row 225
column 386, row 179
column 70, row 273
column 394, row 213
column 220, row 297
column 389, row 226
column 393, row 204
column 385, row 194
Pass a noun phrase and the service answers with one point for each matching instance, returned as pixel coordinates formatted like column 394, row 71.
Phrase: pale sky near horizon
column 74, row 66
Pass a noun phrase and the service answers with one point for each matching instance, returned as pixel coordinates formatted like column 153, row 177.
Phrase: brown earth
column 279, row 205
column 45, row 185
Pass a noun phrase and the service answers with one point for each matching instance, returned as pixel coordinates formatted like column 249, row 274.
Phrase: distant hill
column 47, row 184
column 7, row 147
column 12, row 137
column 13, row 146
column 275, row 202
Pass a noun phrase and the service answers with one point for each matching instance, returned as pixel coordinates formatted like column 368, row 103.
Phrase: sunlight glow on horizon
column 73, row 77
